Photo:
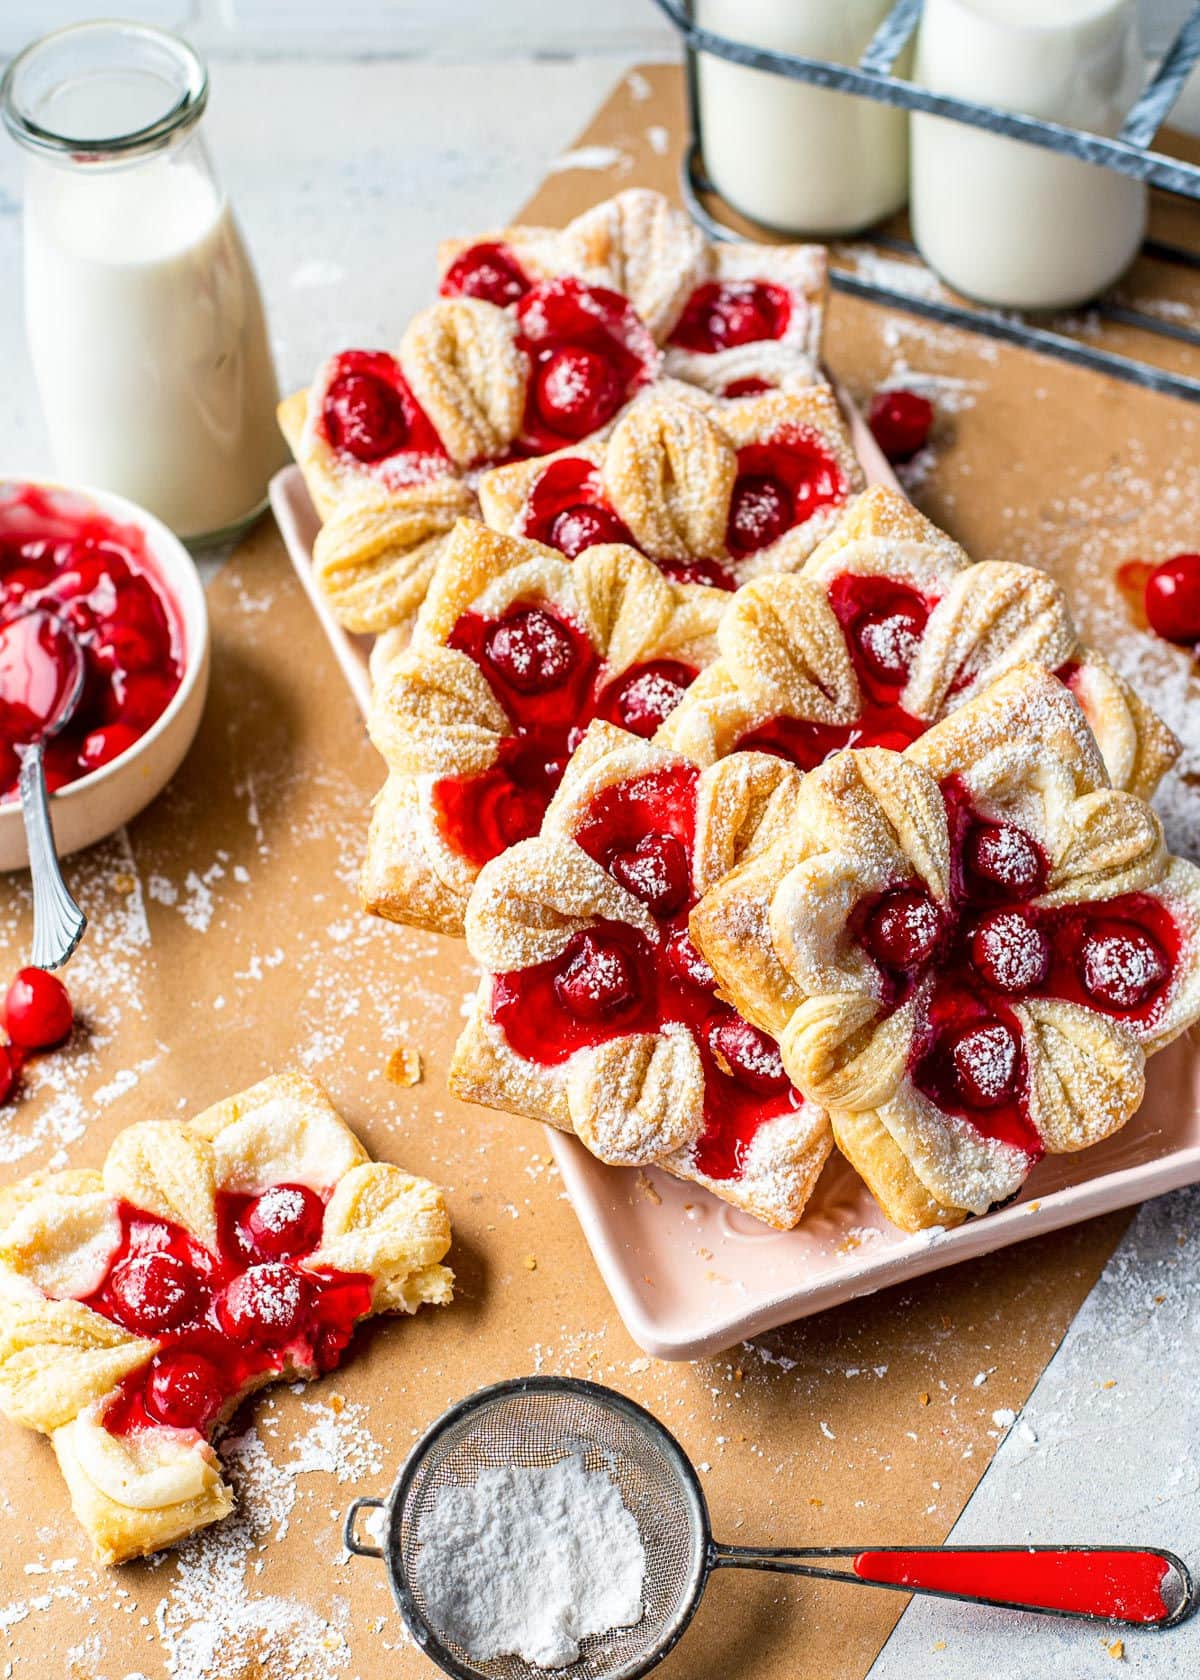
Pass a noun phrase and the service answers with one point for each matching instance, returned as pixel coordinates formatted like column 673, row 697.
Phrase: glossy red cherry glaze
column 567, row 509
column 227, row 1318
column 369, row 413
column 60, row 553
column 993, row 945
column 780, row 484
column 489, row 271
column 588, row 353
column 724, row 313
column 546, row 674
column 612, row 979
column 883, row 623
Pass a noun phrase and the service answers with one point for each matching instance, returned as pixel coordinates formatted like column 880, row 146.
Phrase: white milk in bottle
column 798, row 158
column 145, row 324
column 1013, row 224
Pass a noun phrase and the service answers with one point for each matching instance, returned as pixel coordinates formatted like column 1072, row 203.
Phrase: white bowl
column 97, row 804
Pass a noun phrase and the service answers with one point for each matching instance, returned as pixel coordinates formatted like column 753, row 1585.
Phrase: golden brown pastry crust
column 776, row 934
column 667, row 468
column 434, row 713
column 639, row 1098
column 640, row 244
column 785, row 654
column 61, row 1362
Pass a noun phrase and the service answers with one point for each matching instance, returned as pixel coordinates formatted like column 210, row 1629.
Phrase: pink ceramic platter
column 691, row 1275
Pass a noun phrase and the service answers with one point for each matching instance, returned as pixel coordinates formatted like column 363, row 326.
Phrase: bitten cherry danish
column 734, row 319
column 965, row 951
column 712, row 492
column 886, row 629
column 140, row 1303
column 596, row 1012
column 514, row 652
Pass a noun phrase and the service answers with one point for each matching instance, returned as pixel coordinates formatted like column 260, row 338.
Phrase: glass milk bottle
column 144, row 320
column 1012, row 224
column 796, row 158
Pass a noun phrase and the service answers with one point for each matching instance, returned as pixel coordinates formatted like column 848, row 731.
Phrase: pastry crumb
column 403, row 1066
column 939, row 1645
column 124, row 884
column 1111, row 1383
column 530, row 1262
column 922, row 1399
column 1117, row 1650
column 648, row 1190
column 337, row 1403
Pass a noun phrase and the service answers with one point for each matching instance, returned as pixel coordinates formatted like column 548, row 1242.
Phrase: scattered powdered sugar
column 528, row 1561
column 592, row 157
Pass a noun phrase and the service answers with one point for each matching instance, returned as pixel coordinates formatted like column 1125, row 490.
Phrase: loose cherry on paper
column 901, row 422
column 1172, row 598
column 37, row 1016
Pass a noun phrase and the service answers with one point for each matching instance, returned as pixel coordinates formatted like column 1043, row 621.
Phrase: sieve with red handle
column 536, row 1421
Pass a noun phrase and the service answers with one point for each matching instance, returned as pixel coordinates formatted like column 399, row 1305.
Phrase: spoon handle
column 58, row 922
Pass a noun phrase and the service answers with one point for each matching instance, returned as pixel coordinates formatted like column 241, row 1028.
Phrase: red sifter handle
column 1118, row 1584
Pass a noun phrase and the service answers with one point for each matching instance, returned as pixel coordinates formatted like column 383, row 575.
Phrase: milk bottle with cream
column 145, row 324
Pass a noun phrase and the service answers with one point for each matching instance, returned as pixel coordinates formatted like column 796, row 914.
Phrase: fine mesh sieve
column 536, row 1422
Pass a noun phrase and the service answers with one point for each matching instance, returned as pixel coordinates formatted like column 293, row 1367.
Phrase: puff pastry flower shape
column 734, row 318
column 514, row 652
column 886, row 629
column 966, row 951
column 597, row 1014
column 386, row 442
column 712, row 492
column 140, row 1303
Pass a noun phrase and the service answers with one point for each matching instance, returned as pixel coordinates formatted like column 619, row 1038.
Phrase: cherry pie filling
column 588, row 353
column 612, row 979
column 549, row 679
column 781, row 484
column 883, row 622
column 98, row 577
column 566, row 509
column 489, row 271
column 369, row 413
column 224, row 1319
column 722, row 314
column 991, row 947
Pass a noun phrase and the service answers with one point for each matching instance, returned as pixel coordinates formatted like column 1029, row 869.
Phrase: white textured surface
column 1105, row 1451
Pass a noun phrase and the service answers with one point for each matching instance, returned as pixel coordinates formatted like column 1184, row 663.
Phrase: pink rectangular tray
column 691, row 1275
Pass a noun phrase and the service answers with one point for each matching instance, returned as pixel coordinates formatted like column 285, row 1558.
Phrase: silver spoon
column 58, row 922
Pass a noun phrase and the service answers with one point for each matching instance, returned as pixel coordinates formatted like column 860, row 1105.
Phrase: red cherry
column 984, row 1060
column 901, row 422
column 1003, row 861
column 1120, row 966
column 1010, row 951
column 748, row 1056
column 531, row 650
column 657, row 871
column 687, row 964
column 597, row 977
column 283, row 1222
column 1173, row 598
column 486, row 271
column 575, row 390
column 267, row 1303
column 577, row 528
column 37, row 1010
column 364, row 416
column 889, row 639
column 749, row 387
column 153, row 1292
column 760, row 511
column 184, row 1390
column 646, row 696
column 903, row 928
column 10, row 1072
column 720, row 315
column 101, row 746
